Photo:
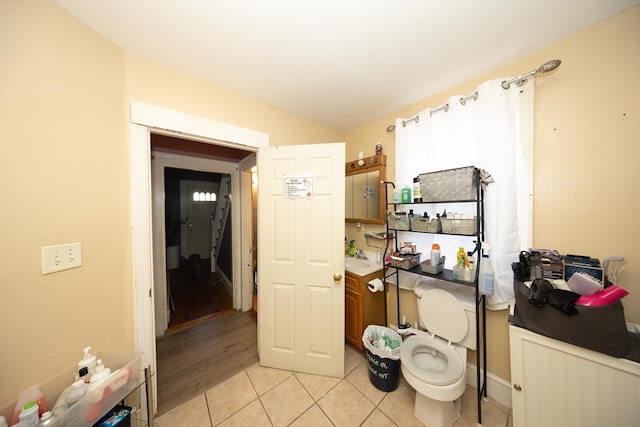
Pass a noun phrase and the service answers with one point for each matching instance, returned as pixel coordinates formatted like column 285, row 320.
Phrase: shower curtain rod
column 547, row 67
column 445, row 108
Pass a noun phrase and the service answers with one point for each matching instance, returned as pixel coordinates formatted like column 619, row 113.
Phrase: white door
column 301, row 258
column 199, row 215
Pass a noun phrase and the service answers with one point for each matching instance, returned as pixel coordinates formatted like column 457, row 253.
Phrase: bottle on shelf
column 406, row 194
column 435, row 254
column 485, row 279
column 461, row 257
column 417, row 192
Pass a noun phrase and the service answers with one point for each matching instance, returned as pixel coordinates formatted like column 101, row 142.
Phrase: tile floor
column 268, row 397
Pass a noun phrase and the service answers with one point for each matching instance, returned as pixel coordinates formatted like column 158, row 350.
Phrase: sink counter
column 362, row 267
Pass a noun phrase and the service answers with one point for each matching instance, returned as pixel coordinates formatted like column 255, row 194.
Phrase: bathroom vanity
column 361, row 306
column 557, row 383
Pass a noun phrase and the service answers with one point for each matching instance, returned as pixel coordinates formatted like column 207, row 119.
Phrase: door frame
column 162, row 160
column 143, row 119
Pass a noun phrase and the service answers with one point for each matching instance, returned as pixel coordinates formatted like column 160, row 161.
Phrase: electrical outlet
column 61, row 257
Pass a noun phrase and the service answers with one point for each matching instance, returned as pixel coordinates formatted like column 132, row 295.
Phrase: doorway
column 191, row 184
column 147, row 233
column 199, row 271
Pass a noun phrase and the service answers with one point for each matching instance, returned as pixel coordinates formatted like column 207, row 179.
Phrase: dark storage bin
column 384, row 364
column 384, row 373
column 602, row 329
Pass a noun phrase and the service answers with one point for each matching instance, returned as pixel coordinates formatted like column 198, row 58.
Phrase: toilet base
column 436, row 413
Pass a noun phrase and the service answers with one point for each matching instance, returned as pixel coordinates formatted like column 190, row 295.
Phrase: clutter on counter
column 97, row 384
column 572, row 299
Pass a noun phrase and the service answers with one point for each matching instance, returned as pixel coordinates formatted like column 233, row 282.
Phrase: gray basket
column 398, row 222
column 467, row 227
column 426, row 225
column 449, row 185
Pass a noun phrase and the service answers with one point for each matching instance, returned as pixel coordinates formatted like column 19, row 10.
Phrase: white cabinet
column 558, row 384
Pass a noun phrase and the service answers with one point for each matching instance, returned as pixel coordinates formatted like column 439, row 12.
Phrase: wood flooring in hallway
column 194, row 303
column 195, row 359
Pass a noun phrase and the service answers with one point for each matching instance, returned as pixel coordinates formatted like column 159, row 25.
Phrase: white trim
column 498, row 388
column 189, row 125
column 144, row 118
column 143, row 301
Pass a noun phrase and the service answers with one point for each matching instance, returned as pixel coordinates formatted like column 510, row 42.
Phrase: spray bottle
column 485, row 278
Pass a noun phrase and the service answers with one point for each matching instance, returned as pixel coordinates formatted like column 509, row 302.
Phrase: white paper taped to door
column 375, row 285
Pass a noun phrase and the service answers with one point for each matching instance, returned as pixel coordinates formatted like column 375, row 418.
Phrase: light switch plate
column 61, row 257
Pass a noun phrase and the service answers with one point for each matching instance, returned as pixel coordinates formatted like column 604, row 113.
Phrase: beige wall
column 63, row 178
column 64, row 166
column 64, row 171
column 587, row 149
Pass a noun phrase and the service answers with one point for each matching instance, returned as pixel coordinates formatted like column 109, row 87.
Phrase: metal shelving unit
column 447, row 275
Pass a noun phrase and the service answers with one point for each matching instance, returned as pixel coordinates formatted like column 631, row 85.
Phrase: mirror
column 364, row 190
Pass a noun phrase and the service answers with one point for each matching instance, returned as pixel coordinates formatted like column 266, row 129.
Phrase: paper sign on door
column 298, row 187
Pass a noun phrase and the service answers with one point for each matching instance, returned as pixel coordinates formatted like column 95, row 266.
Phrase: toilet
column 434, row 362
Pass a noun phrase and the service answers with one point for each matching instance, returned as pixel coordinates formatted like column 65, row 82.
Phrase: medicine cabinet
column 363, row 189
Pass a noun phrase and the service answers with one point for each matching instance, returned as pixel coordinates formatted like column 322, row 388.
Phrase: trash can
column 382, row 345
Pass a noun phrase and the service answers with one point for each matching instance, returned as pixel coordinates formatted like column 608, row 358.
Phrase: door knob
column 337, row 277
column 517, row 387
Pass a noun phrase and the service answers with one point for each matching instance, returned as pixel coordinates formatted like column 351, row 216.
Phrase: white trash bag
column 382, row 341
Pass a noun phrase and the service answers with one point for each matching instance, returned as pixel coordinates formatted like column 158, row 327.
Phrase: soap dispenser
column 352, row 248
column 87, row 365
column 100, row 373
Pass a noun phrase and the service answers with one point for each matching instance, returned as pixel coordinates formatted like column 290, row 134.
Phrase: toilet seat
column 416, row 344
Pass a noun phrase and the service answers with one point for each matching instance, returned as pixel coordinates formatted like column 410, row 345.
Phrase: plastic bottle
column 31, row 393
column 29, row 414
column 406, row 194
column 48, row 419
column 435, row 254
column 485, row 280
column 86, row 365
column 417, row 192
column 460, row 256
column 100, row 374
column 352, row 248
column 78, row 390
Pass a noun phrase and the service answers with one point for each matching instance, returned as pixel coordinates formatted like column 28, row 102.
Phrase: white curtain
column 493, row 132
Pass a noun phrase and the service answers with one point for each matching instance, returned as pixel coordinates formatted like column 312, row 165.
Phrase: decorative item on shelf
column 417, row 194
column 406, row 194
column 398, row 221
column 459, row 224
column 405, row 261
column 433, row 267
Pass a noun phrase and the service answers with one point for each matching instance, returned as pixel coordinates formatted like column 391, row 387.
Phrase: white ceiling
column 343, row 63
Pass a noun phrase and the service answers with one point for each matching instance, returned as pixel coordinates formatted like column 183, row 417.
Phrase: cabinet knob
column 337, row 277
column 517, row 387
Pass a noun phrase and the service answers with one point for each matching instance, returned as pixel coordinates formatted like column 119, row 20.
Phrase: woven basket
column 426, row 225
column 398, row 222
column 467, row 227
column 449, row 185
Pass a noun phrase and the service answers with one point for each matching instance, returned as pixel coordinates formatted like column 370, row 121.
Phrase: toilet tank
column 467, row 297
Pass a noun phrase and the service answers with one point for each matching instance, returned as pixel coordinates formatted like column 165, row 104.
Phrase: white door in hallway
column 199, row 221
column 301, row 258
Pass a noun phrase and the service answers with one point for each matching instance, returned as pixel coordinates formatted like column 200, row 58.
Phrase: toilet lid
column 410, row 352
column 443, row 315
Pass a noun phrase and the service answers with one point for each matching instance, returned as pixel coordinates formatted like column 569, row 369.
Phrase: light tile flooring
column 268, row 397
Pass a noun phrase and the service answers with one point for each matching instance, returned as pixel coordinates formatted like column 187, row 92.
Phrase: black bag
column 602, row 329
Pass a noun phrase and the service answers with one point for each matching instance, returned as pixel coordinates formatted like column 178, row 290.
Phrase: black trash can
column 382, row 345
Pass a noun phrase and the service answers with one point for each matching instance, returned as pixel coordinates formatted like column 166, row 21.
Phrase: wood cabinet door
column 352, row 312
